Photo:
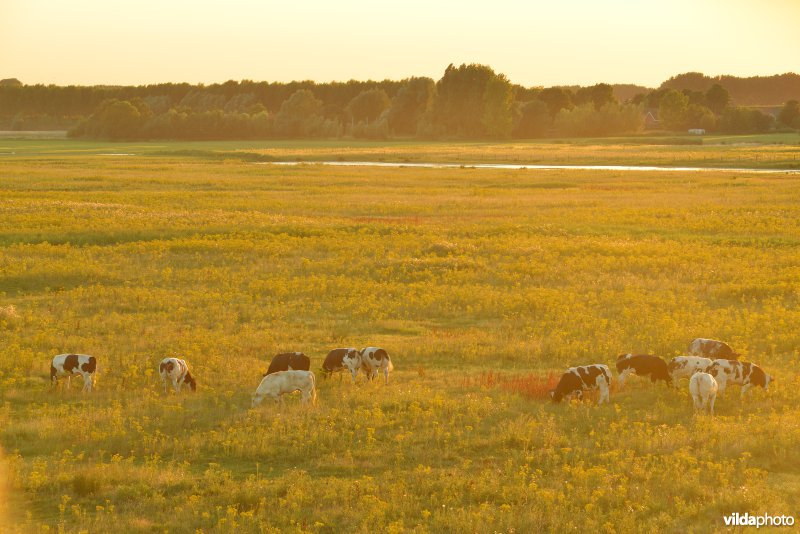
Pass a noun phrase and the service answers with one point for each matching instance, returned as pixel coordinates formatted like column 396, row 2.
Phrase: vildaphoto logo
column 746, row 520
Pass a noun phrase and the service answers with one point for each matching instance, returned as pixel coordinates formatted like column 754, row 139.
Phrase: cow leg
column 386, row 375
column 87, row 383
column 711, row 399
column 175, row 385
column 744, row 390
column 623, row 376
column 603, row 386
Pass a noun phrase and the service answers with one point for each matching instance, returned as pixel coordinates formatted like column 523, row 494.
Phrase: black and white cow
column 576, row 380
column 334, row 361
column 177, row 372
column 74, row 364
column 711, row 348
column 745, row 374
column 642, row 365
column 685, row 366
column 374, row 359
column 289, row 361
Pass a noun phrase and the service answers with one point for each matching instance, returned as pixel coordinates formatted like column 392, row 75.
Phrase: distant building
column 651, row 121
column 697, row 131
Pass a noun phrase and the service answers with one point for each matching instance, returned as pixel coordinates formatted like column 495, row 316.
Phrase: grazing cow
column 74, row 364
column 177, row 372
column 703, row 388
column 583, row 378
column 745, row 374
column 352, row 362
column 289, row 361
column 711, row 348
column 274, row 385
column 374, row 359
column 642, row 365
column 334, row 361
column 685, row 366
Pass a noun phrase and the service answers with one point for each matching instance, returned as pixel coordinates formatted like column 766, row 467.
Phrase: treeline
column 754, row 91
column 469, row 102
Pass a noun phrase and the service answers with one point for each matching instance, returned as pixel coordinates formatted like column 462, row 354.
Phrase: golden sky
column 533, row 42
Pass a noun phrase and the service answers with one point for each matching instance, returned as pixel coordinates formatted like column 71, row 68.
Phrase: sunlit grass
column 483, row 285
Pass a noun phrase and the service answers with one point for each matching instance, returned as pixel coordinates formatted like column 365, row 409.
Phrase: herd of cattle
column 710, row 366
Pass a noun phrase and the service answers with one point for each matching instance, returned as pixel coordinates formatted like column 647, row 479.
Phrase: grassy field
column 480, row 283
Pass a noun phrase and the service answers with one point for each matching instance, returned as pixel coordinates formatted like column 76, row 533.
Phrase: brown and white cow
column 374, row 359
column 642, row 365
column 276, row 384
column 703, row 389
column 711, row 348
column 289, row 361
column 582, row 378
column 177, row 371
column 745, row 374
column 334, row 361
column 74, row 364
column 685, row 366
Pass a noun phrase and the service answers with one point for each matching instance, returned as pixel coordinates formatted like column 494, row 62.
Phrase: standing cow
column 711, row 348
column 289, row 361
column 177, row 372
column 685, row 366
column 274, row 385
column 642, row 365
column 334, row 361
column 74, row 364
column 745, row 374
column 703, row 388
column 576, row 380
column 374, row 359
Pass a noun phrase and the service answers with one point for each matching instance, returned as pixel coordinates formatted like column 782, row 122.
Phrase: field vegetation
column 483, row 285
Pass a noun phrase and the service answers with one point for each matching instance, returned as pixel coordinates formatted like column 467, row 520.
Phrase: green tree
column 411, row 103
column 717, row 98
column 790, row 114
column 498, row 105
column 534, row 120
column 599, row 95
column 672, row 109
column 368, row 105
column 297, row 113
column 556, row 98
column 698, row 116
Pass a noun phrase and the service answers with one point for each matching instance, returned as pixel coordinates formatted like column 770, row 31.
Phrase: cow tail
column 313, row 390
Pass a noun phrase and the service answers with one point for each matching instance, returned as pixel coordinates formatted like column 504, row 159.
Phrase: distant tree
column 368, row 105
column 717, row 98
column 202, row 100
column 739, row 120
column 599, row 95
column 409, row 105
column 10, row 82
column 672, row 109
column 697, row 98
column 586, row 121
column 789, row 116
column 534, row 120
column 498, row 106
column 297, row 113
column 698, row 116
column 556, row 99
column 694, row 81
column 115, row 119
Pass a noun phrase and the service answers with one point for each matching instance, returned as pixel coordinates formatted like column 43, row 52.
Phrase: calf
column 289, row 361
column 642, row 365
column 583, row 378
column 745, row 374
column 374, row 359
column 711, row 348
column 334, row 361
column 177, row 372
column 74, row 364
column 703, row 388
column 274, row 385
column 685, row 366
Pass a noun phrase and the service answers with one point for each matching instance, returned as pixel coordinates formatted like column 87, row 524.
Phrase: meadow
column 478, row 282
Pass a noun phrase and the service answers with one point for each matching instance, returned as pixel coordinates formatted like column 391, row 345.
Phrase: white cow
column 374, row 359
column 703, row 388
column 71, row 364
column 685, row 366
column 276, row 384
column 177, row 372
column 351, row 360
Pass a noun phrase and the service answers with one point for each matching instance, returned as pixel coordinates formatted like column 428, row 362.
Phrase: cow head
column 255, row 400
